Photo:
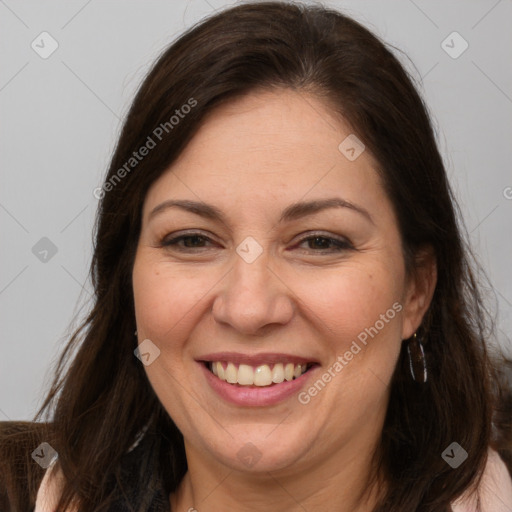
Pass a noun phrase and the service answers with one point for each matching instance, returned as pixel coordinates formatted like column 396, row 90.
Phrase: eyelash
column 341, row 245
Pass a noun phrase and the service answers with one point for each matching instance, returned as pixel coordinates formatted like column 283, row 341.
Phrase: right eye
column 190, row 241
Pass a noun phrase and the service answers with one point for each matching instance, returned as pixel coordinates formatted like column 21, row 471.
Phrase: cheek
column 165, row 299
column 357, row 311
column 350, row 299
column 342, row 301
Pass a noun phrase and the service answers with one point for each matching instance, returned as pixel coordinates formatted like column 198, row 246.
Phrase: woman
column 285, row 315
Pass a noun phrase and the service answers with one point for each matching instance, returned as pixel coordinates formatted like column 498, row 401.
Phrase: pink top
column 495, row 490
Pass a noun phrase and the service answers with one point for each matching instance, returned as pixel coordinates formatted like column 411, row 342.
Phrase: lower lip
column 255, row 396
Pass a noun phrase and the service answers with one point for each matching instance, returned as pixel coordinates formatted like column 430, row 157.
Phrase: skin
column 252, row 158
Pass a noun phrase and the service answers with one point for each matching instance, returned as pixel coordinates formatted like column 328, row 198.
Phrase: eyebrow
column 293, row 212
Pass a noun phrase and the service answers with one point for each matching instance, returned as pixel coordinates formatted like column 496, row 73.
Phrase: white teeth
column 221, row 373
column 278, row 373
column 231, row 373
column 288, row 371
column 245, row 375
column 263, row 375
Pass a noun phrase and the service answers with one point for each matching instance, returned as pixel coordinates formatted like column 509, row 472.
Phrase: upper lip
column 256, row 359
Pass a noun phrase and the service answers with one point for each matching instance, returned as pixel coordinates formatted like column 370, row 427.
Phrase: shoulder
column 50, row 490
column 138, row 481
column 23, row 481
column 20, row 476
column 495, row 489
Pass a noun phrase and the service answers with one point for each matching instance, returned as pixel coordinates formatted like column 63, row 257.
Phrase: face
column 269, row 290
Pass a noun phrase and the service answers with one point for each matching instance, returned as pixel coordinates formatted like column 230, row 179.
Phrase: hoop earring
column 417, row 360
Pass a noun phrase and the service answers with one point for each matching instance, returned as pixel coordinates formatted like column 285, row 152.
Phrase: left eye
column 325, row 242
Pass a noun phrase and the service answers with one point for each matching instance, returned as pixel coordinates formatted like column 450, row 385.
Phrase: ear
column 419, row 290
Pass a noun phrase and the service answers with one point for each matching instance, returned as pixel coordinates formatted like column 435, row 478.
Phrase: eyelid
column 341, row 243
column 182, row 234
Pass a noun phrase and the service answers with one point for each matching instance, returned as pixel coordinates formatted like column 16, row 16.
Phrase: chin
column 261, row 452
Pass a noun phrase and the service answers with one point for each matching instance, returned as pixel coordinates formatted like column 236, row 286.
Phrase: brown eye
column 190, row 241
column 322, row 243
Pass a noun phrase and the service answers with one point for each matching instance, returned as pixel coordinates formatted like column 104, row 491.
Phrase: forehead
column 268, row 148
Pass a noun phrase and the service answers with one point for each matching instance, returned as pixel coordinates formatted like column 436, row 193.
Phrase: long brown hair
column 101, row 402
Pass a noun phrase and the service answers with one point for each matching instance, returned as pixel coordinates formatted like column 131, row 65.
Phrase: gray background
column 60, row 117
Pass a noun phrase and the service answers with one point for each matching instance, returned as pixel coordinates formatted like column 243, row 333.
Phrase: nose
column 253, row 296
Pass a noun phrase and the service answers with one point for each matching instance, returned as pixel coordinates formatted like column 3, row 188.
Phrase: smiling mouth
column 264, row 375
